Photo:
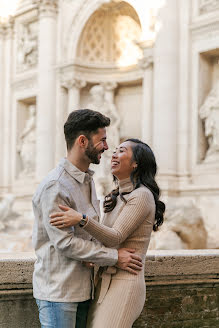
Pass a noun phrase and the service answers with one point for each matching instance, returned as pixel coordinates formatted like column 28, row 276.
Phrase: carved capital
column 148, row 56
column 109, row 86
column 2, row 29
column 73, row 83
column 7, row 27
column 47, row 7
column 146, row 62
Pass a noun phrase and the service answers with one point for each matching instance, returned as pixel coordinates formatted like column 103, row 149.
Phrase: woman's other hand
column 65, row 219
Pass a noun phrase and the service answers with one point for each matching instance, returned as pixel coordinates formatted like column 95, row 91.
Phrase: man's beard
column 92, row 153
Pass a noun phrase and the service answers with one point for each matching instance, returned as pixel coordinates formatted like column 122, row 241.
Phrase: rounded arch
column 88, row 7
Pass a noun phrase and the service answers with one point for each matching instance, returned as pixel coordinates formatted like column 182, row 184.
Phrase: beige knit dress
column 120, row 295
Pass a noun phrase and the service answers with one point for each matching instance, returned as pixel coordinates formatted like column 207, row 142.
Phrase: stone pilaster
column 146, row 64
column 1, row 94
column 165, row 98
column 46, row 105
column 7, row 34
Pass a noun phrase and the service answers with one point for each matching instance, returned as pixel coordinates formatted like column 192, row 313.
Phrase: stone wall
column 182, row 290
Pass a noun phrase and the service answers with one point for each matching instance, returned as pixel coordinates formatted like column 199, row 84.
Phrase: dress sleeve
column 135, row 211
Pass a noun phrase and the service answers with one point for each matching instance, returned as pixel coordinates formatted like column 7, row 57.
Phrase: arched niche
column 109, row 37
column 108, row 52
column 84, row 12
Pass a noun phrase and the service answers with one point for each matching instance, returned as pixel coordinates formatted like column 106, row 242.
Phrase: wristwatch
column 83, row 221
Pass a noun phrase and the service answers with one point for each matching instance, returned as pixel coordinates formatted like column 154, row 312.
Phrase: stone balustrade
column 182, row 290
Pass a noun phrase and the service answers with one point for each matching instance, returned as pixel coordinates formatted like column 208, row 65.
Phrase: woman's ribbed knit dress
column 120, row 295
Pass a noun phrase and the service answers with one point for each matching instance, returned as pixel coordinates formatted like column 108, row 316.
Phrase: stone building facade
column 157, row 63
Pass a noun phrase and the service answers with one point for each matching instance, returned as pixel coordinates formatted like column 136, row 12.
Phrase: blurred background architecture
column 152, row 66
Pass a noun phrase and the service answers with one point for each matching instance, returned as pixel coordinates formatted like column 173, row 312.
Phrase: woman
column 132, row 211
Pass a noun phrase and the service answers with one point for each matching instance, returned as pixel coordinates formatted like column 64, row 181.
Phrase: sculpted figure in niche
column 99, row 103
column 209, row 113
column 28, row 143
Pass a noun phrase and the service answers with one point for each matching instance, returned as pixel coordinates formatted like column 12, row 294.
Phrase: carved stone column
column 45, row 145
column 146, row 63
column 165, row 99
column 73, row 86
column 7, row 34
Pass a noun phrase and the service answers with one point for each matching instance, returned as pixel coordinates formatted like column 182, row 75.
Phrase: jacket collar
column 81, row 177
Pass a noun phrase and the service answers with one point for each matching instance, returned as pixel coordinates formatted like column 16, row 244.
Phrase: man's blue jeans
column 62, row 314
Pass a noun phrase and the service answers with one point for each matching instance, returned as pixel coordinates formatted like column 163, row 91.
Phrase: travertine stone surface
column 182, row 290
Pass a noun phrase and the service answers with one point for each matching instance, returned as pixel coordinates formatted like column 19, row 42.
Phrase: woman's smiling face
column 122, row 163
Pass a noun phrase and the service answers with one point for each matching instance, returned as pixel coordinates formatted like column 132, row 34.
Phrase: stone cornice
column 100, row 74
column 206, row 24
column 47, row 7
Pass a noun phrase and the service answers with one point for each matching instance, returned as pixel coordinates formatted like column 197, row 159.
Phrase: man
column 62, row 284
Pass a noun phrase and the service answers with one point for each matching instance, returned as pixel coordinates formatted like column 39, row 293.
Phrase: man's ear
column 82, row 141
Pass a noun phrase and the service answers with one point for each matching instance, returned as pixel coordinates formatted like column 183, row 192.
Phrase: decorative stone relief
column 27, row 53
column 206, row 6
column 99, row 102
column 27, row 144
column 209, row 113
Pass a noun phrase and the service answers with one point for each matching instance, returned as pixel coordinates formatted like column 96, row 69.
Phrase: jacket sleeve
column 136, row 210
column 64, row 240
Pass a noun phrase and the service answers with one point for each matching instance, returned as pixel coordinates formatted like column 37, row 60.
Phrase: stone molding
column 100, row 74
column 47, row 7
column 24, row 84
column 208, row 28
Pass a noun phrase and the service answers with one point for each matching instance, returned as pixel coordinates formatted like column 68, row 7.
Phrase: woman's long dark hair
column 143, row 174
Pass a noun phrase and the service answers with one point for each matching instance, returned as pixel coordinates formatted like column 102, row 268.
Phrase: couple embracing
column 91, row 274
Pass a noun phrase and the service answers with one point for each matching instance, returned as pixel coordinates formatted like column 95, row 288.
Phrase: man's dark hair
column 83, row 121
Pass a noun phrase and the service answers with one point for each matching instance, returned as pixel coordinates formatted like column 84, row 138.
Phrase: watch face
column 82, row 222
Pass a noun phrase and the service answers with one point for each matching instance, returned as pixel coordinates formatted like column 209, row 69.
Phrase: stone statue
column 27, row 146
column 6, row 204
column 209, row 113
column 27, row 47
column 99, row 103
column 183, row 227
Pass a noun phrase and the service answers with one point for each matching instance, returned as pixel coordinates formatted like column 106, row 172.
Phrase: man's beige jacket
column 59, row 274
